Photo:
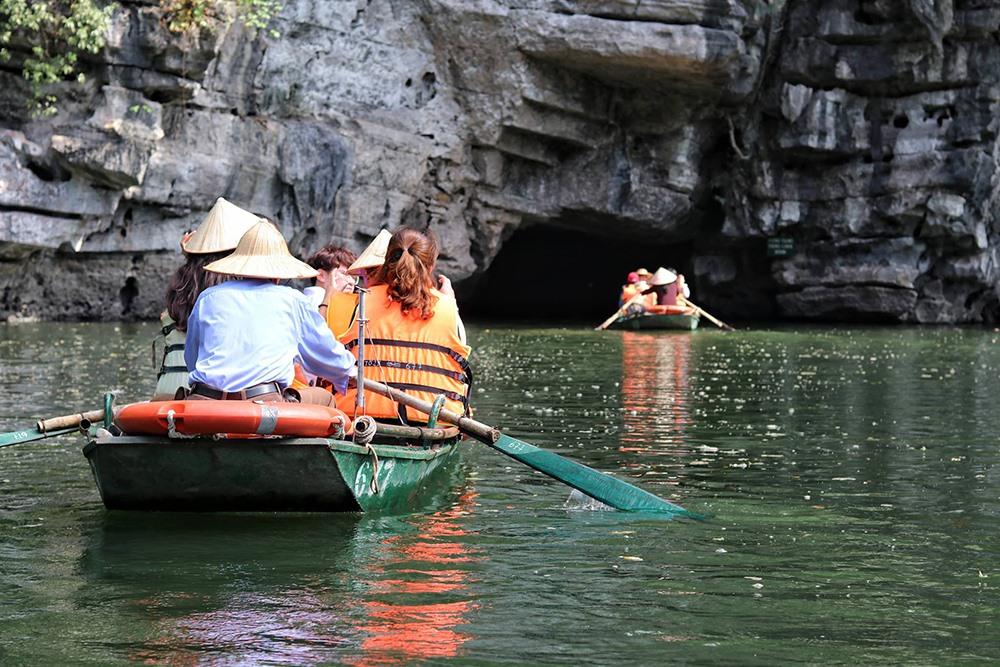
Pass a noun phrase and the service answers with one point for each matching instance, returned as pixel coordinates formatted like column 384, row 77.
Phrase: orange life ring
column 231, row 417
column 669, row 310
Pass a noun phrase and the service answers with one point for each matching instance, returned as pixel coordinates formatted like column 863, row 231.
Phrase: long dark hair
column 409, row 260
column 188, row 282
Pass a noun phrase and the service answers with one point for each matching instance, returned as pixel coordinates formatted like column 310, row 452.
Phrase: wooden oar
column 708, row 316
column 49, row 428
column 618, row 313
column 598, row 485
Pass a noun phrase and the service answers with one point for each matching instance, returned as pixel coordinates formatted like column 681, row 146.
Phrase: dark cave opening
column 128, row 293
column 545, row 273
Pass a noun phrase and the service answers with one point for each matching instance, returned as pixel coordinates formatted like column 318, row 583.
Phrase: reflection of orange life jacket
column 422, row 357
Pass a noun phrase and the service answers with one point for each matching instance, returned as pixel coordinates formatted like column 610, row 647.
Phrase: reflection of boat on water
column 402, row 625
column 284, row 474
column 635, row 321
column 295, row 589
column 246, row 589
column 654, row 390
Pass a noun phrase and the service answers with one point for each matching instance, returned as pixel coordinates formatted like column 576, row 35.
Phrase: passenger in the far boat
column 244, row 335
column 630, row 289
column 215, row 238
column 643, row 285
column 415, row 339
column 671, row 291
column 683, row 291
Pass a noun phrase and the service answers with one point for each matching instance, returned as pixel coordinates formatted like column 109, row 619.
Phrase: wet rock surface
column 859, row 134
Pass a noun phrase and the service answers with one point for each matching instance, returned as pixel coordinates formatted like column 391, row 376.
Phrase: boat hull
column 646, row 321
column 261, row 475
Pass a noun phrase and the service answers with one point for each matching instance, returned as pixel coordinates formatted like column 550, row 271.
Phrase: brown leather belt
column 244, row 395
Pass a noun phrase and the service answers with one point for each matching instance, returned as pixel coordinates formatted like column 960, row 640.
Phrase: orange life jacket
column 421, row 357
column 300, row 381
column 340, row 311
column 628, row 291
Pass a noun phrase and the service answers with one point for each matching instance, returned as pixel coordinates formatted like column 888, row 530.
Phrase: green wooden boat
column 263, row 474
column 647, row 321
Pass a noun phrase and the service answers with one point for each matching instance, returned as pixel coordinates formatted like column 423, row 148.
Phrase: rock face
column 860, row 135
column 875, row 148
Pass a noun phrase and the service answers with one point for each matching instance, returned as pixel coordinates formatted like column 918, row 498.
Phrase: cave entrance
column 545, row 273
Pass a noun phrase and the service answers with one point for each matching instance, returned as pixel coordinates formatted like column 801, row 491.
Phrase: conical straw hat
column 663, row 277
column 373, row 256
column 262, row 253
column 221, row 229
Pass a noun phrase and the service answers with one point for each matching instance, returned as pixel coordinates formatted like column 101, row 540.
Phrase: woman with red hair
column 414, row 339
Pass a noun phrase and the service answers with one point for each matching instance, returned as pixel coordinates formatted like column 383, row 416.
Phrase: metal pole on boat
column 372, row 258
column 362, row 288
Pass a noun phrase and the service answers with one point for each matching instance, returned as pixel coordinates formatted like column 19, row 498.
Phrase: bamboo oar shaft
column 68, row 421
column 618, row 313
column 711, row 318
column 478, row 429
column 416, row 432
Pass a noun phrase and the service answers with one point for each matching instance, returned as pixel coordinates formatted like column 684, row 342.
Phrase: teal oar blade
column 609, row 490
column 30, row 434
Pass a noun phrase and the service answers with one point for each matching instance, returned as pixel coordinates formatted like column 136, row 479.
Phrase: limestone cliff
column 861, row 132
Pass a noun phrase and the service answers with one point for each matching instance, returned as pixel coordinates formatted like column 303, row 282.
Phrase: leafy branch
column 52, row 34
column 184, row 16
column 58, row 32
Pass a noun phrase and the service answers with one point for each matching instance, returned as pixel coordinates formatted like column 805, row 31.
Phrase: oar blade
column 30, row 435
column 609, row 490
column 17, row 437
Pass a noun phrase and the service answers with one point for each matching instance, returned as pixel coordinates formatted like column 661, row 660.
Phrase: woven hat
column 642, row 272
column 373, row 256
column 221, row 229
column 663, row 277
column 262, row 253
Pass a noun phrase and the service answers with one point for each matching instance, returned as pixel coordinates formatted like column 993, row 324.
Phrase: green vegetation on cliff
column 57, row 33
column 52, row 34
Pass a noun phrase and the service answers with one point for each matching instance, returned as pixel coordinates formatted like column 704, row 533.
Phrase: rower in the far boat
column 671, row 293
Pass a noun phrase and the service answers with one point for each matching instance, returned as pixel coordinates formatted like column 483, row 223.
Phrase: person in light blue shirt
column 244, row 335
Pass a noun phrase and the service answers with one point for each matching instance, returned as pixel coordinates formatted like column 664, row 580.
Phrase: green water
column 851, row 476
